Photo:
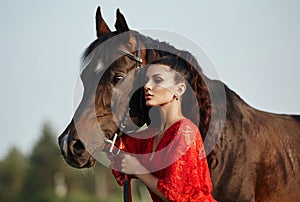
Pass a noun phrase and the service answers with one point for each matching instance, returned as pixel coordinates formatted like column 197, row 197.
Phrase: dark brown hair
column 196, row 102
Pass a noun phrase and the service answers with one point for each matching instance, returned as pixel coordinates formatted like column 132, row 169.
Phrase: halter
column 137, row 58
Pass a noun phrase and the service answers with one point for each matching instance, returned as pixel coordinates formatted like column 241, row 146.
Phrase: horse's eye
column 117, row 79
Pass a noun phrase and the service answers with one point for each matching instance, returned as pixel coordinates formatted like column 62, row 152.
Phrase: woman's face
column 160, row 85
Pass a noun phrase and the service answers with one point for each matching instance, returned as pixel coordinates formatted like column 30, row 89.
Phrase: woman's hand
column 131, row 165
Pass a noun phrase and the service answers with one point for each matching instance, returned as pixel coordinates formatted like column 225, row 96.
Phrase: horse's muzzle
column 73, row 150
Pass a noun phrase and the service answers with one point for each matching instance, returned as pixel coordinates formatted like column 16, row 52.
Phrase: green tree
column 12, row 172
column 39, row 182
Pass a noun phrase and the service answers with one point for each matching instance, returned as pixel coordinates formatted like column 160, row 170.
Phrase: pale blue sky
column 255, row 46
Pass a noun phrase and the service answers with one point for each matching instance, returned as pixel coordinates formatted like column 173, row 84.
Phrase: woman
column 169, row 159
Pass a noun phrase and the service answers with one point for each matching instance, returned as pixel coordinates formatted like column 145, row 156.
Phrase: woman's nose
column 147, row 86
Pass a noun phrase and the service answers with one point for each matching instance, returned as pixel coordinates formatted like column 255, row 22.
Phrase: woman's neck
column 170, row 114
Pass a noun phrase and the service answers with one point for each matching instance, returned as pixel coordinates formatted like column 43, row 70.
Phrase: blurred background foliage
column 43, row 176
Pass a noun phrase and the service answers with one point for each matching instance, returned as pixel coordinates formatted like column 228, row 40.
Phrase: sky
column 254, row 46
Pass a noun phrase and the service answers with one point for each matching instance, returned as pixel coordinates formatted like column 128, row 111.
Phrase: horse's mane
column 156, row 49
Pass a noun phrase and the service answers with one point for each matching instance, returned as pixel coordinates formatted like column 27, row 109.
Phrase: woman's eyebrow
column 154, row 75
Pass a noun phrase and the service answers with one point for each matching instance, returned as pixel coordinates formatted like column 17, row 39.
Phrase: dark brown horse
column 258, row 153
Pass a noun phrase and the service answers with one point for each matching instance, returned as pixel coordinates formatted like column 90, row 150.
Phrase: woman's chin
column 149, row 103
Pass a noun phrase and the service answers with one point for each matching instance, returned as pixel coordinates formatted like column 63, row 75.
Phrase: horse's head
column 110, row 66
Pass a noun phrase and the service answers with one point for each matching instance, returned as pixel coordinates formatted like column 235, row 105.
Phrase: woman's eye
column 157, row 80
column 117, row 79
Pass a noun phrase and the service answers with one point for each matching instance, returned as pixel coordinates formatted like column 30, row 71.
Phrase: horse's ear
column 121, row 24
column 101, row 25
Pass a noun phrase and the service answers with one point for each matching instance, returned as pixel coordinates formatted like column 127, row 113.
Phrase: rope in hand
column 126, row 183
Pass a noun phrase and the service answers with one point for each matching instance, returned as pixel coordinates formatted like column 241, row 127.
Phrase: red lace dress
column 179, row 162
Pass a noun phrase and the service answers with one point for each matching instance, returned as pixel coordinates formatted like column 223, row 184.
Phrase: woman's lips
column 148, row 96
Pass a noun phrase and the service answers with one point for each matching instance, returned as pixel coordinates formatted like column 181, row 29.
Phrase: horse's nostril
column 77, row 148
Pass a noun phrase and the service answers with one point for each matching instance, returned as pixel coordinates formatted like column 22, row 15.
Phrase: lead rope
column 126, row 182
column 127, row 189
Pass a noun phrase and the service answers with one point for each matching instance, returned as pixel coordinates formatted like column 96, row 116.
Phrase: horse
column 256, row 153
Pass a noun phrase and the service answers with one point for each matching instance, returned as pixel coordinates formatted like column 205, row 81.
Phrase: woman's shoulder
column 186, row 124
column 183, row 129
column 145, row 133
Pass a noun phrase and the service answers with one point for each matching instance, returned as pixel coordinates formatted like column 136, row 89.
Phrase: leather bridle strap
column 137, row 58
column 127, row 186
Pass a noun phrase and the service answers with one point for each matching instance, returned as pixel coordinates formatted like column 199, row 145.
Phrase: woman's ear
column 181, row 87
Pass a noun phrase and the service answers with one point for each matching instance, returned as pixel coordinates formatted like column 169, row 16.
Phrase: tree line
column 43, row 176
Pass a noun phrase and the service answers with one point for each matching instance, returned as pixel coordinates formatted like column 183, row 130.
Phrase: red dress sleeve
column 188, row 178
column 126, row 144
column 132, row 144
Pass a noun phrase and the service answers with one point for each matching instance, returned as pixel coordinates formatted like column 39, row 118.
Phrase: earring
column 176, row 98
